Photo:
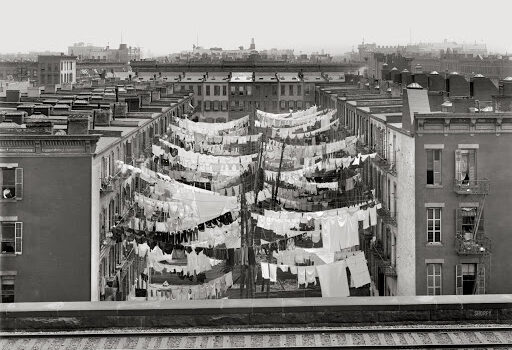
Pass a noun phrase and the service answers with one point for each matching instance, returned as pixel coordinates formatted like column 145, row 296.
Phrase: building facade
column 56, row 226
column 443, row 187
column 56, row 70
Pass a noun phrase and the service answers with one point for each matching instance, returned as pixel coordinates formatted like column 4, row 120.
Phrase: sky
column 161, row 27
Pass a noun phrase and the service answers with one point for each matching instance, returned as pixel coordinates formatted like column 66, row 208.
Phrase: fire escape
column 471, row 238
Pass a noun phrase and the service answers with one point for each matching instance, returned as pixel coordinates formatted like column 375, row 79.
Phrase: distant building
column 123, row 54
column 55, row 70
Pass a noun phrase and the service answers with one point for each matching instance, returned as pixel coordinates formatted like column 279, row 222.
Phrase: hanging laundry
column 358, row 269
column 301, row 275
column 311, row 274
column 265, row 271
column 333, row 279
column 272, row 272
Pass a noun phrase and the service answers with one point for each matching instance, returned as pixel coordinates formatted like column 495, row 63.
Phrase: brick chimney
column 79, row 124
column 482, row 88
column 39, row 127
column 102, row 117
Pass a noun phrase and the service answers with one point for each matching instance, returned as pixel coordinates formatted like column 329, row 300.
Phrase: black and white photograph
column 272, row 174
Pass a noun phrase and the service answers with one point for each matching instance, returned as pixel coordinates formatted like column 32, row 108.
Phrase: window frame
column 431, row 153
column 432, row 288
column 17, row 237
column 434, row 231
column 10, row 279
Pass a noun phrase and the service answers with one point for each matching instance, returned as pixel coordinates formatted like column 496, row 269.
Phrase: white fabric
column 333, row 279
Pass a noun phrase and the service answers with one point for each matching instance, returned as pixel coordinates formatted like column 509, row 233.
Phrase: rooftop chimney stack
column 79, row 124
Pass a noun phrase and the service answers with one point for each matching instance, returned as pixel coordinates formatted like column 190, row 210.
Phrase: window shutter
column 458, row 221
column 480, row 279
column 18, row 237
column 19, row 183
column 458, row 279
column 128, row 155
column 472, row 165
column 437, row 166
column 458, row 157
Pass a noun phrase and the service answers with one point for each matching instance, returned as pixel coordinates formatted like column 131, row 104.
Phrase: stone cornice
column 48, row 144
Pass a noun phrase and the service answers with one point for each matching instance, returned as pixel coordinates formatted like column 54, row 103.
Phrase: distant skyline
column 163, row 27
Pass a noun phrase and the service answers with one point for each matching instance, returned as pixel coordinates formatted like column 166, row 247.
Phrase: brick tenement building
column 445, row 189
column 61, row 194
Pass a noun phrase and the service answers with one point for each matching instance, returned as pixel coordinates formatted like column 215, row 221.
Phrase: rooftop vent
column 434, row 73
column 414, row 86
column 479, row 76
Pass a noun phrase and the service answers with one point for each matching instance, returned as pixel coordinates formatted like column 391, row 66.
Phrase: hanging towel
column 358, row 269
column 265, row 273
column 373, row 215
column 333, row 279
column 273, row 272
column 301, row 275
column 311, row 274
column 283, row 268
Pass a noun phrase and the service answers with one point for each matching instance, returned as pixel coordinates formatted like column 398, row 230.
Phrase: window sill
column 434, row 244
column 434, row 186
column 9, row 200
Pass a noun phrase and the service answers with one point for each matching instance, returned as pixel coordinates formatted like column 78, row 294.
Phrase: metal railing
column 384, row 263
column 389, row 217
column 465, row 244
column 481, row 186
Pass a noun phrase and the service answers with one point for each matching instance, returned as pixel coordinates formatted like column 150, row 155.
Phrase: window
column 11, row 237
column 7, row 289
column 216, row 90
column 434, row 225
column 11, row 182
column 434, row 279
column 249, row 90
column 206, row 105
column 465, row 166
column 207, row 90
column 433, row 166
column 282, row 103
column 299, row 90
column 224, row 90
column 233, row 90
column 283, row 90
column 307, row 90
column 190, row 88
column 216, row 105
column 224, row 105
column 469, row 279
column 274, row 90
column 290, row 90
column 241, row 90
column 199, row 88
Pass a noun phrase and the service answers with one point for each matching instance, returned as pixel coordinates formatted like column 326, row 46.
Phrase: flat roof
column 104, row 143
column 241, row 77
column 288, row 77
column 265, row 77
